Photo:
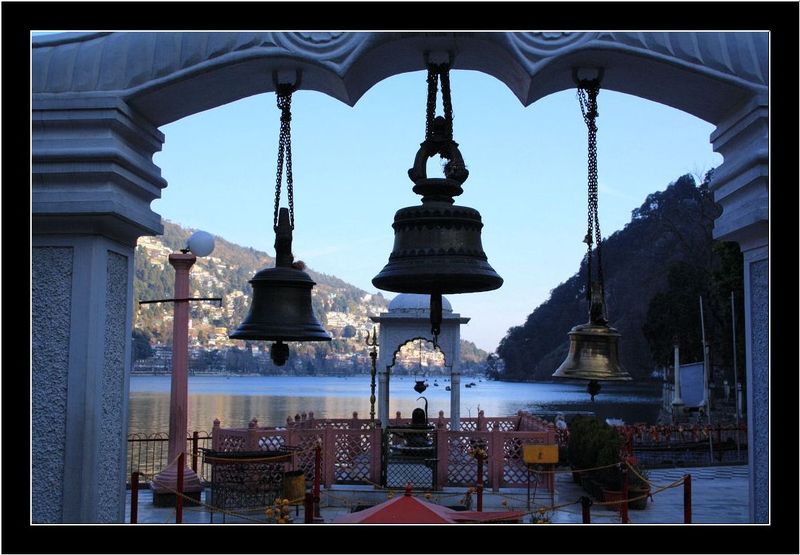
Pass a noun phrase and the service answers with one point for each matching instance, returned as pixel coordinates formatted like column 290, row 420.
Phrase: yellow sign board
column 540, row 454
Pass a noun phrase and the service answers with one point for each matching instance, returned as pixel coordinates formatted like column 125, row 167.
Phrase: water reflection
column 270, row 399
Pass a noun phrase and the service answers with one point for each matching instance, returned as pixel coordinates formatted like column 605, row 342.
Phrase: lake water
column 236, row 400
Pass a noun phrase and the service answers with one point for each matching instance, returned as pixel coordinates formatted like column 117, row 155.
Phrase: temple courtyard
column 719, row 496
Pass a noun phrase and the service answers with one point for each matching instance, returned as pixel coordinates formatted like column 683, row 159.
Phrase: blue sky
column 527, row 178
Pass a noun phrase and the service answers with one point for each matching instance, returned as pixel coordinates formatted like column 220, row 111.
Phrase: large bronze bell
column 281, row 307
column 437, row 245
column 593, row 350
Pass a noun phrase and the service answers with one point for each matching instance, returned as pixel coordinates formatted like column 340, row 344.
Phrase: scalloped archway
column 98, row 100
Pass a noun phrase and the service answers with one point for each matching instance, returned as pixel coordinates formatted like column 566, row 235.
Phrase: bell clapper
column 593, row 389
column 436, row 317
column 279, row 353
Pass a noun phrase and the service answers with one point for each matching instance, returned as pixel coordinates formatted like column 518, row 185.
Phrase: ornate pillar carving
column 741, row 187
column 93, row 180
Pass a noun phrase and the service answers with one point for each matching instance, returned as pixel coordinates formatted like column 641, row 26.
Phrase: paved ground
column 719, row 495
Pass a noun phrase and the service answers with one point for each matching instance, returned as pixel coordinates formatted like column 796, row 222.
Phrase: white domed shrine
column 407, row 319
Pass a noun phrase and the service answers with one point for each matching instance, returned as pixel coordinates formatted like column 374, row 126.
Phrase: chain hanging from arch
column 284, row 99
column 587, row 97
column 437, row 72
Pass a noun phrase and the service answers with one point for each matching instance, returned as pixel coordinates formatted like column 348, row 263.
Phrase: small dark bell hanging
column 593, row 350
column 281, row 306
column 420, row 386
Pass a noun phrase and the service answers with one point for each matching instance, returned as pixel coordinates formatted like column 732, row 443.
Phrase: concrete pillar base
column 165, row 484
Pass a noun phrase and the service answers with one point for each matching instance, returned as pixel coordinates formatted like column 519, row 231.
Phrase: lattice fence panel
column 271, row 443
column 352, row 458
column 304, row 458
column 515, row 471
column 232, row 443
column 507, row 425
column 462, row 468
column 410, row 458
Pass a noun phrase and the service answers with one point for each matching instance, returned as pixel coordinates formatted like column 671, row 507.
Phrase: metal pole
column 585, row 504
column 687, row 499
column 308, row 515
column 134, row 497
column 317, row 472
column 195, row 437
column 624, row 507
column 677, row 399
column 373, row 354
column 179, row 492
column 706, row 371
column 737, row 386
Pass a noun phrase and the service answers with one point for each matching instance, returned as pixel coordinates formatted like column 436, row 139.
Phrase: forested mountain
column 655, row 269
column 342, row 308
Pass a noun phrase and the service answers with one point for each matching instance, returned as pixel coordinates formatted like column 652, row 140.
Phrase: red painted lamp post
column 165, row 483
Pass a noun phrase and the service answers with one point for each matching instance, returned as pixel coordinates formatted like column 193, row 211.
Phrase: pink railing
column 351, row 447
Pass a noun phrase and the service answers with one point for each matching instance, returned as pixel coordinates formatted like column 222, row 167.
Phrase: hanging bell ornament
column 437, row 245
column 420, row 386
column 281, row 307
column 593, row 350
column 593, row 347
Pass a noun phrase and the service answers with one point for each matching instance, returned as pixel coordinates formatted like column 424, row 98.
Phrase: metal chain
column 434, row 73
column 446, row 101
column 430, row 107
column 284, row 95
column 587, row 97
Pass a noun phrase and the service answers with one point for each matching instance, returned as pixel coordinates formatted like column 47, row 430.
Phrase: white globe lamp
column 201, row 243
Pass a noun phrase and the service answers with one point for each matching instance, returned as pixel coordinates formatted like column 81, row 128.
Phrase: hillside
column 655, row 270
column 342, row 308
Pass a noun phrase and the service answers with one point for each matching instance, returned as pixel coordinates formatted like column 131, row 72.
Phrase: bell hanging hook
column 287, row 79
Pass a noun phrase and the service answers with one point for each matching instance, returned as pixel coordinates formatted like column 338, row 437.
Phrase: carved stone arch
column 411, row 340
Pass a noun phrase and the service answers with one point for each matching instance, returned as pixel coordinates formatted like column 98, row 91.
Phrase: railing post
column 687, row 499
column 215, row 439
column 179, row 488
column 624, row 507
column 317, row 472
column 479, row 487
column 134, row 497
column 308, row 514
column 251, row 444
column 376, row 446
column 329, row 444
column 496, row 440
column 443, row 454
column 587, row 514
column 481, row 421
column 441, row 424
column 195, row 437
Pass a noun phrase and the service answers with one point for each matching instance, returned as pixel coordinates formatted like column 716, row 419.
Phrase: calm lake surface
column 236, row 400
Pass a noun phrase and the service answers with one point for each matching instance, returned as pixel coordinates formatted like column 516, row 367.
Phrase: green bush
column 592, row 444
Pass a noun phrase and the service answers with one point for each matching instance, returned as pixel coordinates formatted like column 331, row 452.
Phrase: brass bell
column 593, row 350
column 437, row 245
column 281, row 306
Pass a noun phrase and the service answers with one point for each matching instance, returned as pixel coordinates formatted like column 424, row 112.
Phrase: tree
column 141, row 345
column 349, row 331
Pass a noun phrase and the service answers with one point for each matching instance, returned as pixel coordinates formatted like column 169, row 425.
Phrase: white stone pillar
column 741, row 187
column 384, row 360
column 455, row 400
column 677, row 401
column 92, row 183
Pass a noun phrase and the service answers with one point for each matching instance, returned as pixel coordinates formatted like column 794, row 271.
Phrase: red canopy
column 405, row 509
